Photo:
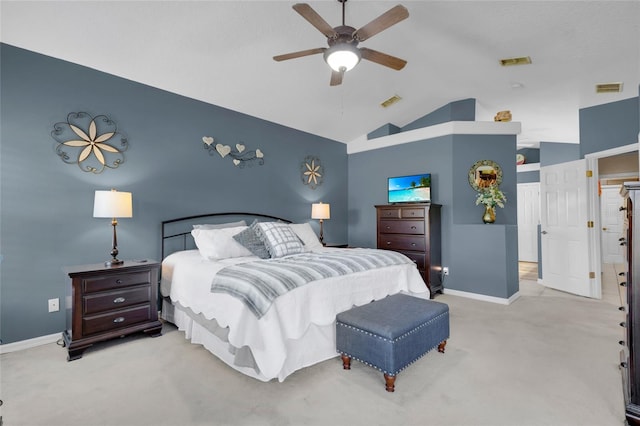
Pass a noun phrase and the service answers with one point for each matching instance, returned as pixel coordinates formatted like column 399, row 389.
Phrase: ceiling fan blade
column 382, row 58
column 314, row 19
column 336, row 78
column 382, row 22
column 299, row 54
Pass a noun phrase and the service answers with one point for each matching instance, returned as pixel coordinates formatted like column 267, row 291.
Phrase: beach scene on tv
column 407, row 189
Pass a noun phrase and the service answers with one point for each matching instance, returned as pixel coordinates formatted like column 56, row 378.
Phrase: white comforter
column 187, row 277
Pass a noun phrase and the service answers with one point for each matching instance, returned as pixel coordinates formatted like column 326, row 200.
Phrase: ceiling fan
column 343, row 52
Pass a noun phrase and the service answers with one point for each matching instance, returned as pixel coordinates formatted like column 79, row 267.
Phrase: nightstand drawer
column 116, row 299
column 402, row 227
column 401, row 242
column 113, row 281
column 115, row 319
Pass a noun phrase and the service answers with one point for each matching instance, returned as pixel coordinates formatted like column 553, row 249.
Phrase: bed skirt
column 316, row 345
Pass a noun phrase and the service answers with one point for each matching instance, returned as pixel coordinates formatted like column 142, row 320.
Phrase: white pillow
column 307, row 235
column 220, row 225
column 218, row 244
column 279, row 239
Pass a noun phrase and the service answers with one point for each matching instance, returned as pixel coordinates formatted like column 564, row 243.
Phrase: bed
column 294, row 329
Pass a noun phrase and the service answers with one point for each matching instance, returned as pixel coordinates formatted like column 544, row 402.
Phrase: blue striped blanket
column 259, row 283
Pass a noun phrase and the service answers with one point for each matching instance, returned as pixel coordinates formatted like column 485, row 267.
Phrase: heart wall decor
column 240, row 157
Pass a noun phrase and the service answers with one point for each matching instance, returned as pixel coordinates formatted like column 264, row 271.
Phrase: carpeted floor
column 547, row 359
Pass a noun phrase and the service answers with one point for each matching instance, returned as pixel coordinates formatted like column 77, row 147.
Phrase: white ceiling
column 221, row 52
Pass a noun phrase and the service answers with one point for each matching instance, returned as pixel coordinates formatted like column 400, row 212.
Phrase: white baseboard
column 483, row 297
column 30, row 343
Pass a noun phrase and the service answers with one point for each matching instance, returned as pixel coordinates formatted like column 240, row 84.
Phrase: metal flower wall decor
column 312, row 171
column 91, row 143
column 240, row 157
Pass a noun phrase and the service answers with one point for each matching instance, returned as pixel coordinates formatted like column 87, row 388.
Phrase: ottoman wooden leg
column 346, row 362
column 390, row 383
column 441, row 346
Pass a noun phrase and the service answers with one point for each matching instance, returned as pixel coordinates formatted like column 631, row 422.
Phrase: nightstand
column 109, row 302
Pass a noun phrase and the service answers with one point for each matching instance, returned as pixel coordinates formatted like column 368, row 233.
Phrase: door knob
column 604, row 229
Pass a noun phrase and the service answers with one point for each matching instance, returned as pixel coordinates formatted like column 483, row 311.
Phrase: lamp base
column 113, row 262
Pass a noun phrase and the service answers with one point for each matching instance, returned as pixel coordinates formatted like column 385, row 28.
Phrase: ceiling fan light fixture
column 342, row 57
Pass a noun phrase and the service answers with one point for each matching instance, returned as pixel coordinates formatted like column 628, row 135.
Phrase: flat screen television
column 410, row 189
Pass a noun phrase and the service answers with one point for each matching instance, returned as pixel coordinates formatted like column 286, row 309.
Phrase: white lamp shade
column 320, row 211
column 112, row 204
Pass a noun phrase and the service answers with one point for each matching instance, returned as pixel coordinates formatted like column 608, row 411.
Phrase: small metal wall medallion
column 240, row 157
column 92, row 143
column 312, row 172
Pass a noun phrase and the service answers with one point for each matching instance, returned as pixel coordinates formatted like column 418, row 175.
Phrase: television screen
column 410, row 189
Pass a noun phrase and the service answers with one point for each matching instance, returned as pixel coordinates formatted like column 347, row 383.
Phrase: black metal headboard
column 176, row 233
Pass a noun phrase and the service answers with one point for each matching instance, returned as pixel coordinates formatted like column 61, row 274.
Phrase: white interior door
column 528, row 221
column 611, row 220
column 565, row 234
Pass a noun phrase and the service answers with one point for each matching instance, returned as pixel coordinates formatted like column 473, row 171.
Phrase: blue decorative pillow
column 279, row 239
column 252, row 242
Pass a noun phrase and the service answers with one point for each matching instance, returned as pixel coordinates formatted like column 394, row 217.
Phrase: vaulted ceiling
column 221, row 52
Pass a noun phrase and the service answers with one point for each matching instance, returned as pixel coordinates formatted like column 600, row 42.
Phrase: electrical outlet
column 445, row 270
column 54, row 305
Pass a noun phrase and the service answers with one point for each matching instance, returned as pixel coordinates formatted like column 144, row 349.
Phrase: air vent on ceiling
column 392, row 100
column 524, row 60
column 609, row 88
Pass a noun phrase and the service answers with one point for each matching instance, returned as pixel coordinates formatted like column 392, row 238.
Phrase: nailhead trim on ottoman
column 392, row 333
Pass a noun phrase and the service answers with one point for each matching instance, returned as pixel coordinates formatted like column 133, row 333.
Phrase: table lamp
column 115, row 205
column 321, row 211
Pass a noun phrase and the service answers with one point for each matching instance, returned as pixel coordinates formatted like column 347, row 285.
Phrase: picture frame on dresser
column 414, row 229
column 107, row 302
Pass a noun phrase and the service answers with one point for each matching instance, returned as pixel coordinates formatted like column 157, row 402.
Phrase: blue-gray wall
column 46, row 217
column 609, row 126
column 555, row 153
column 482, row 258
column 463, row 110
column 531, row 155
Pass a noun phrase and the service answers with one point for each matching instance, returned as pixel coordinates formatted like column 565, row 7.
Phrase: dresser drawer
column 119, row 299
column 401, row 242
column 417, row 258
column 402, row 227
column 114, row 281
column 408, row 212
column 115, row 319
column 393, row 213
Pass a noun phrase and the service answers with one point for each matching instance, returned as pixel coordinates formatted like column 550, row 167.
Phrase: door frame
column 595, row 256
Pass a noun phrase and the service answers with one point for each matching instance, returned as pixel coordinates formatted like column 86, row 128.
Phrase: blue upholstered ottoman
column 391, row 333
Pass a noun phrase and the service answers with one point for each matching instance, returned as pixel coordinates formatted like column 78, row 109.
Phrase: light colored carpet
column 548, row 359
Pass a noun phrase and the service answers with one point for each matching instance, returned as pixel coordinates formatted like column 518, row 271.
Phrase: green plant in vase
column 491, row 198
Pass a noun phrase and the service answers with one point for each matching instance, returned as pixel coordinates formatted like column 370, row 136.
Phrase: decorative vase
column 489, row 214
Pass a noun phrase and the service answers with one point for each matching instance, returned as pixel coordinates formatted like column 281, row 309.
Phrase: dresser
column 108, row 302
column 630, row 279
column 413, row 230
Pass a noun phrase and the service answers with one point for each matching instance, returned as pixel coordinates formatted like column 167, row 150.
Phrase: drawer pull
column 118, row 281
column 413, row 227
column 623, row 284
column 621, row 342
column 119, row 300
column 388, row 227
column 623, row 324
column 623, row 364
column 119, row 319
column 388, row 243
column 413, row 244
